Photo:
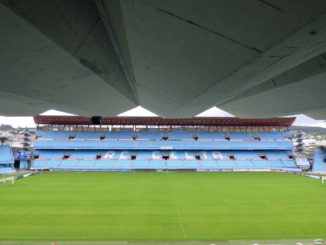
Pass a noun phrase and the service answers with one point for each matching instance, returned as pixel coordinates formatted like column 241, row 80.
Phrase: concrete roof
column 177, row 58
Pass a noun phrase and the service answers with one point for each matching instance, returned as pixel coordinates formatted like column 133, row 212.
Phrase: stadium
column 154, row 179
column 176, row 177
column 162, row 144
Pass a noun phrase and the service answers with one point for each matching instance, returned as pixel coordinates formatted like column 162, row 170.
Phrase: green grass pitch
column 162, row 206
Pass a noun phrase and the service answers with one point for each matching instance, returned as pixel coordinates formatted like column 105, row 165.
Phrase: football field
column 162, row 207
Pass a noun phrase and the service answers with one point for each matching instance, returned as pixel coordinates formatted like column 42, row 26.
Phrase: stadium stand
column 210, row 144
column 6, row 160
column 319, row 163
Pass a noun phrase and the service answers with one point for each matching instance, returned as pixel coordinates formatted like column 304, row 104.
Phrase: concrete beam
column 104, row 11
column 33, row 66
column 304, row 45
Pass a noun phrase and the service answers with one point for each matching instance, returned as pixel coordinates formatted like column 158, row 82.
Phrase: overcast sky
column 301, row 120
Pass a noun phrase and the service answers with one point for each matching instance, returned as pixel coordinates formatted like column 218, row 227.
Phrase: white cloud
column 214, row 112
column 138, row 112
column 56, row 113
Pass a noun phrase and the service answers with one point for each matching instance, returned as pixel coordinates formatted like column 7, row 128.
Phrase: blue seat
column 7, row 170
column 145, row 149
column 6, row 155
column 319, row 164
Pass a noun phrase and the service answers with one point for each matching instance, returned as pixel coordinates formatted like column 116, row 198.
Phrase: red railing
column 158, row 121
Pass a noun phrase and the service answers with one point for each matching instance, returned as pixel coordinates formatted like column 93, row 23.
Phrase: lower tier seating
column 319, row 163
column 161, row 160
column 7, row 170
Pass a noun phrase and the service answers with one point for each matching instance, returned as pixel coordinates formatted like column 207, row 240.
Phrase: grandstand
column 199, row 144
column 6, row 160
column 319, row 163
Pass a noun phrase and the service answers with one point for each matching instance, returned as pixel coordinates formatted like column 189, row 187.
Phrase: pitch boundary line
column 180, row 219
column 179, row 214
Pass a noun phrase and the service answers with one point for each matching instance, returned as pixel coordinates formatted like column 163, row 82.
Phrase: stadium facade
column 71, row 143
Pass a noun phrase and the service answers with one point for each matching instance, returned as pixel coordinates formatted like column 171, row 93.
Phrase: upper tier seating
column 154, row 134
column 162, row 145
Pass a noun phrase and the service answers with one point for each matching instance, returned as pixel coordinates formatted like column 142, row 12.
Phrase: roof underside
column 175, row 58
column 158, row 121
